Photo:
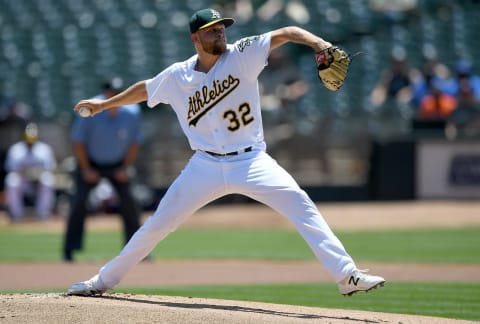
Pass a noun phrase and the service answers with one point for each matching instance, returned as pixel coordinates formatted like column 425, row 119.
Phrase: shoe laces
column 362, row 272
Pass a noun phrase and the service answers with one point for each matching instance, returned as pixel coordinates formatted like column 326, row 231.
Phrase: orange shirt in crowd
column 437, row 106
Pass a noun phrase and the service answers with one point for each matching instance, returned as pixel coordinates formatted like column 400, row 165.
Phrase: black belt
column 248, row 149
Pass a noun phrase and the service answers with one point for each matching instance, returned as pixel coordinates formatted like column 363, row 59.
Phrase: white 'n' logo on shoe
column 352, row 280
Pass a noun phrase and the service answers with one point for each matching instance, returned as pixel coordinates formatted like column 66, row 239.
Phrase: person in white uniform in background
column 216, row 98
column 30, row 166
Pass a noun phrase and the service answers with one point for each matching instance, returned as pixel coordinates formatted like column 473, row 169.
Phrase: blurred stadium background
column 339, row 146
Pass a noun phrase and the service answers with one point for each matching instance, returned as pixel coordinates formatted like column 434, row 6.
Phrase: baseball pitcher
column 216, row 98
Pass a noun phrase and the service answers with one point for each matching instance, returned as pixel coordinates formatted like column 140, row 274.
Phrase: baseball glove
column 332, row 65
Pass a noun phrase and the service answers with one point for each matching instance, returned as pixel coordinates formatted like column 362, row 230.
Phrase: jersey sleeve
column 157, row 88
column 253, row 53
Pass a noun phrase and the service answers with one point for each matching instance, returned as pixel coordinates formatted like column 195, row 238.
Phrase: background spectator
column 464, row 81
column 394, row 88
column 30, row 167
column 431, row 70
column 465, row 120
column 437, row 104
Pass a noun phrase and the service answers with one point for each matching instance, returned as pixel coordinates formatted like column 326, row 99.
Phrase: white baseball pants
column 205, row 178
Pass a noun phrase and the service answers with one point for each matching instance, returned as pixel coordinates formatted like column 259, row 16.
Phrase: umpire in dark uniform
column 105, row 146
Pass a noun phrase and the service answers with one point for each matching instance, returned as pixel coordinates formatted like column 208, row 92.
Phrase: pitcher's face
column 213, row 39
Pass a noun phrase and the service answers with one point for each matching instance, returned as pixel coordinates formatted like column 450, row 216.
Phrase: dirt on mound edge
column 127, row 308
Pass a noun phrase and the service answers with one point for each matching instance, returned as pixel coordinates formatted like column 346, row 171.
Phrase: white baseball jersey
column 211, row 106
column 39, row 156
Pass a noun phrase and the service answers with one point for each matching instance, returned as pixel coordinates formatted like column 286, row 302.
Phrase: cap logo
column 215, row 14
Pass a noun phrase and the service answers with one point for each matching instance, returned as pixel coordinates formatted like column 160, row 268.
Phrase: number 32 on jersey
column 238, row 118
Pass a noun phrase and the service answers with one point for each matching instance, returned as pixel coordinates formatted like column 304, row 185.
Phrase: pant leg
column 270, row 184
column 198, row 184
column 129, row 209
column 75, row 226
column 14, row 184
column 45, row 195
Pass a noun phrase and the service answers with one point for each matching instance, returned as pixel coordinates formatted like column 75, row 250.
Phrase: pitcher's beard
column 218, row 50
column 215, row 48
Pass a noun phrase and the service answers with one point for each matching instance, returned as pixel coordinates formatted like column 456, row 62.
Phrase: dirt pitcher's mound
column 126, row 308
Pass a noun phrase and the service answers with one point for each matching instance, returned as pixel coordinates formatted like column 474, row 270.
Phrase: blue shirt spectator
column 464, row 74
column 433, row 74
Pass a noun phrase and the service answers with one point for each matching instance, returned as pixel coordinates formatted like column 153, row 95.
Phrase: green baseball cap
column 207, row 17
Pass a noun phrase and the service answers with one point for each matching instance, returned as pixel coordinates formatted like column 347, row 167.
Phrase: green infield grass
column 459, row 245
